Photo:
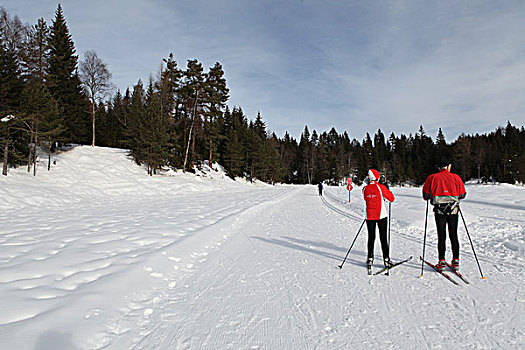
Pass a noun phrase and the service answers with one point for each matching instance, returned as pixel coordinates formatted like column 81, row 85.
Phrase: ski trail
column 274, row 284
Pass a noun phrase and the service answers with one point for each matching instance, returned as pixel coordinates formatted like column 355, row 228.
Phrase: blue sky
column 358, row 66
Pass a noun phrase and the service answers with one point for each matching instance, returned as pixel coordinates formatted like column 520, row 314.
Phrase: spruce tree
column 134, row 134
column 304, row 165
column 37, row 49
column 441, row 145
column 41, row 119
column 193, row 98
column 64, row 83
column 155, row 131
column 216, row 98
column 169, row 85
column 11, row 86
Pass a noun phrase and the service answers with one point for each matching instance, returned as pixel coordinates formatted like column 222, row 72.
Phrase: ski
column 446, row 275
column 391, row 267
column 458, row 274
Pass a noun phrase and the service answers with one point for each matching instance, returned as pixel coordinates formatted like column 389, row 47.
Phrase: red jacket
column 375, row 194
column 444, row 187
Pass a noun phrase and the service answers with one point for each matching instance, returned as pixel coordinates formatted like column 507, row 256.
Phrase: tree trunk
column 193, row 137
column 190, row 133
column 30, row 159
column 93, row 121
column 49, row 156
column 211, row 155
column 6, row 152
column 34, row 147
column 308, row 172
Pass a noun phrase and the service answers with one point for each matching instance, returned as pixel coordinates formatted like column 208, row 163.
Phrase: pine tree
column 40, row 114
column 304, row 165
column 11, row 84
column 37, row 49
column 134, row 135
column 64, row 83
column 11, row 87
column 259, row 149
column 462, row 160
column 232, row 146
column 368, row 157
column 381, row 153
column 423, row 159
column 154, row 129
column 169, row 85
column 192, row 95
column 216, row 98
column 441, row 145
column 399, row 158
column 111, row 122
column 288, row 149
column 233, row 155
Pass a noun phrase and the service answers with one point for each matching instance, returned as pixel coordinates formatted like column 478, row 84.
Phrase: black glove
column 382, row 181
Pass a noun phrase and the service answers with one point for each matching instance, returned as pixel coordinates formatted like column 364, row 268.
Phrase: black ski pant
column 382, row 225
column 442, row 221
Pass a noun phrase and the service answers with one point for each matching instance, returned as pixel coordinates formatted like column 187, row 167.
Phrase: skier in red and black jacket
column 376, row 214
column 444, row 190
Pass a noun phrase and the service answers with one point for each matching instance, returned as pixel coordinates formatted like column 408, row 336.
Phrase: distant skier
column 376, row 214
column 444, row 190
column 320, row 187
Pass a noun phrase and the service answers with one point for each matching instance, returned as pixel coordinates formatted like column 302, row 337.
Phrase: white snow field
column 95, row 254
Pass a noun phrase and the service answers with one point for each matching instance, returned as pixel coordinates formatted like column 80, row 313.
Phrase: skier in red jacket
column 376, row 214
column 444, row 190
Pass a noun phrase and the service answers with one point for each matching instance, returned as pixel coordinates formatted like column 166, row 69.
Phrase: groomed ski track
column 266, row 277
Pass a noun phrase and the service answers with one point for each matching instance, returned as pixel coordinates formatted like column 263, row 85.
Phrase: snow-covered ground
column 96, row 254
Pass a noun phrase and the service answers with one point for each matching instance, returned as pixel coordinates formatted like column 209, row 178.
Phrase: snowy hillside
column 96, row 254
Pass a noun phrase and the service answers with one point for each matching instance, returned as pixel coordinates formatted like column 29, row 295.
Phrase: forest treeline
column 180, row 119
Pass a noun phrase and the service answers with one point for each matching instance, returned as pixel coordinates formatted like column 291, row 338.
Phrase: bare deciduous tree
column 96, row 80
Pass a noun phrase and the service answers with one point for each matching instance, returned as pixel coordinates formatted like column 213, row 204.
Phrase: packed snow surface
column 96, row 254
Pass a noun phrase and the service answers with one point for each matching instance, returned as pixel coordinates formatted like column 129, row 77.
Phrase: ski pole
column 472, row 245
column 389, row 247
column 389, row 216
column 348, row 252
column 424, row 241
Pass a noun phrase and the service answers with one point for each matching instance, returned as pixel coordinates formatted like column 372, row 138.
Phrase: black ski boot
column 388, row 263
column 369, row 263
